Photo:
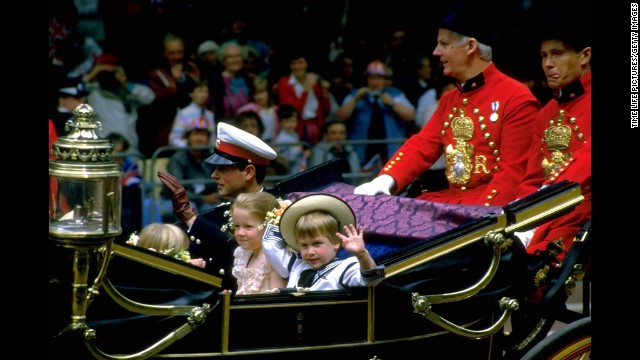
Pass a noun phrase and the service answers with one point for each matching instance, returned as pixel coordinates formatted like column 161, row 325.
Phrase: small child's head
column 310, row 226
column 167, row 239
column 119, row 142
column 334, row 130
column 251, row 122
column 198, row 133
column 248, row 214
column 288, row 117
column 261, row 91
column 198, row 91
column 445, row 84
column 315, row 234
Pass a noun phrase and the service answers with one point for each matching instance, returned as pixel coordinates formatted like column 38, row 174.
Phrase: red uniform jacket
column 287, row 95
column 484, row 129
column 561, row 150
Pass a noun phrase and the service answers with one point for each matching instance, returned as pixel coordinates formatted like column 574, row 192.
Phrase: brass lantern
column 85, row 185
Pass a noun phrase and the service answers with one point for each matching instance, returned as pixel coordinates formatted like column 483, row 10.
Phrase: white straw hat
column 331, row 204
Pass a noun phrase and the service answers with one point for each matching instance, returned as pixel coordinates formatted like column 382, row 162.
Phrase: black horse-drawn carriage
column 455, row 275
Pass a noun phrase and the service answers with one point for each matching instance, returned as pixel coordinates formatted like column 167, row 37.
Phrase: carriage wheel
column 572, row 342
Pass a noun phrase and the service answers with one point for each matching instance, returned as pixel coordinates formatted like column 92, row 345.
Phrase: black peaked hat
column 569, row 22
column 474, row 19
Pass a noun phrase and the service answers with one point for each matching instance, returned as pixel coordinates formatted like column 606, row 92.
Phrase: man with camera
column 376, row 112
column 115, row 99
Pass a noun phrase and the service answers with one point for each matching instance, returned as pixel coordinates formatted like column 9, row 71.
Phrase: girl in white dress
column 251, row 269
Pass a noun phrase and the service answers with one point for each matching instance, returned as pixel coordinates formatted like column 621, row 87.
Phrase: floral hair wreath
column 272, row 216
column 183, row 254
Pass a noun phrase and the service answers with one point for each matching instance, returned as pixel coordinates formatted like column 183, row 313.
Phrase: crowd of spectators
column 146, row 57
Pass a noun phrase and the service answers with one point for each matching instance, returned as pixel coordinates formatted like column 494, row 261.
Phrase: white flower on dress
column 133, row 239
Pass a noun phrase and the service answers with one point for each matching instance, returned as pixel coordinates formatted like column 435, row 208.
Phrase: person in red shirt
column 53, row 186
column 309, row 94
column 560, row 150
column 53, row 137
column 561, row 146
column 483, row 127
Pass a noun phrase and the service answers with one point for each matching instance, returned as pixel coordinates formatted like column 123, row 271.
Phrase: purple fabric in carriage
column 392, row 222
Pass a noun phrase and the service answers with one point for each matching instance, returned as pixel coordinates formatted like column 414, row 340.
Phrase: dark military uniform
column 212, row 244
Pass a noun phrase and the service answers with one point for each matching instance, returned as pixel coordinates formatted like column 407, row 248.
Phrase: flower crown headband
column 183, row 254
column 272, row 216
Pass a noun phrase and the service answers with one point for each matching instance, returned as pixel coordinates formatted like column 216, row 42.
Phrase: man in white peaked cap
column 241, row 160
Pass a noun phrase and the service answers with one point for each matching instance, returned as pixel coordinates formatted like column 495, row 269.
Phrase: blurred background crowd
column 165, row 72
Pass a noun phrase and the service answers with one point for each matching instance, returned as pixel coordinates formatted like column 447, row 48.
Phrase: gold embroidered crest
column 458, row 158
column 551, row 166
column 556, row 138
column 459, row 164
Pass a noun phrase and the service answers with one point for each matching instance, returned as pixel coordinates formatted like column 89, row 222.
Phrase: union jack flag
column 58, row 31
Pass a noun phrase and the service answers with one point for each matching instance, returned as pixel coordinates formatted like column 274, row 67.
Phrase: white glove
column 524, row 236
column 380, row 185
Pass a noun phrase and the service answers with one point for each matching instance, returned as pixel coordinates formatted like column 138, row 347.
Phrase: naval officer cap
column 236, row 146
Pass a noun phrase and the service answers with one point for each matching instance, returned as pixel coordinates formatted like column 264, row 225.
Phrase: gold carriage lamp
column 85, row 185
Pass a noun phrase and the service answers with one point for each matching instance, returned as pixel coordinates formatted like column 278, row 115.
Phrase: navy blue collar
column 569, row 92
column 474, row 83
